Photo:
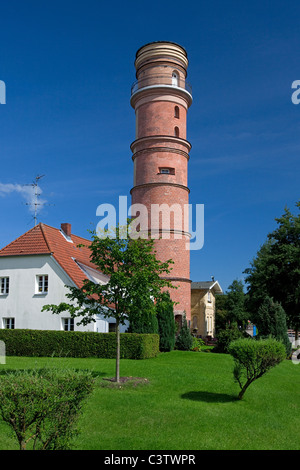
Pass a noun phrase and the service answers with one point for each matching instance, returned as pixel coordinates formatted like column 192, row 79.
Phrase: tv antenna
column 36, row 195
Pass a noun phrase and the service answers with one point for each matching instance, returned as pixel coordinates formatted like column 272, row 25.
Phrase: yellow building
column 203, row 296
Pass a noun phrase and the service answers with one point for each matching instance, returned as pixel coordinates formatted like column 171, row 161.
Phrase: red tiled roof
column 43, row 239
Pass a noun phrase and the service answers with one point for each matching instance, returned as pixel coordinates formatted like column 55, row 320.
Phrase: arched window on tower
column 176, row 112
column 174, row 78
column 176, row 131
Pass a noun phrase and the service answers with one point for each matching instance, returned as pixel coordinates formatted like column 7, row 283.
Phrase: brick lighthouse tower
column 161, row 97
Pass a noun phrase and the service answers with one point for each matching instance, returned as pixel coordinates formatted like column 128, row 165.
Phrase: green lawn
column 189, row 404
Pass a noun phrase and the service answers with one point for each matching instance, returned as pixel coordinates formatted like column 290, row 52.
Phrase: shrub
column 45, row 343
column 42, row 407
column 197, row 344
column 184, row 340
column 253, row 358
column 225, row 337
column 143, row 320
column 166, row 322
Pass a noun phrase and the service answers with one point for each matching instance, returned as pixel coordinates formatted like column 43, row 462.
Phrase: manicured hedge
column 46, row 343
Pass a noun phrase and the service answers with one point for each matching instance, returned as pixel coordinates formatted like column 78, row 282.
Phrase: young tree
column 275, row 272
column 253, row 358
column 166, row 322
column 135, row 278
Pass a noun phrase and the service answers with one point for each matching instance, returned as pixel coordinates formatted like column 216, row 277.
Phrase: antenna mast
column 36, row 195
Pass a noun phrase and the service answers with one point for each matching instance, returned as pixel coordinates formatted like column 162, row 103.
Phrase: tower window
column 174, row 78
column 176, row 112
column 176, row 131
column 167, row 171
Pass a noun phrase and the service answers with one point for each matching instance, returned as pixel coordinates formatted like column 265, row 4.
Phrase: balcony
column 158, row 81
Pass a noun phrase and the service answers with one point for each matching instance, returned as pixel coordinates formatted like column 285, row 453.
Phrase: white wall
column 24, row 304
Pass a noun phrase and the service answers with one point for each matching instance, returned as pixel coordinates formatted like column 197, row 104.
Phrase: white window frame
column 68, row 324
column 42, row 284
column 4, row 285
column 8, row 323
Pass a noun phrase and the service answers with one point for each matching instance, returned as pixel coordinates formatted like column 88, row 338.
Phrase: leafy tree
column 184, row 340
column 135, row 278
column 253, row 358
column 166, row 322
column 231, row 307
column 275, row 271
column 235, row 304
column 271, row 321
column 222, row 318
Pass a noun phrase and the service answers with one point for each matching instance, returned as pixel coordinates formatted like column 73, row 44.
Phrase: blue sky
column 68, row 69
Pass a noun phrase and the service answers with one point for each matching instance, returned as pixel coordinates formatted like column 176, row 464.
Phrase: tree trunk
column 118, row 351
column 241, row 394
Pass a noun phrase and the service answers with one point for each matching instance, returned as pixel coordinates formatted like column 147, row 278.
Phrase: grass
column 189, row 402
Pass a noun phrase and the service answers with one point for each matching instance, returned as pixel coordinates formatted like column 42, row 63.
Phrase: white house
column 35, row 270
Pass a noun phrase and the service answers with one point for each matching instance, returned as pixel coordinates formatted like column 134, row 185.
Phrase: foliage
column 221, row 313
column 143, row 319
column 275, row 271
column 235, row 304
column 166, row 322
column 42, row 407
column 50, row 343
column 231, row 307
column 226, row 336
column 134, row 278
column 184, row 340
column 197, row 344
column 271, row 321
column 253, row 358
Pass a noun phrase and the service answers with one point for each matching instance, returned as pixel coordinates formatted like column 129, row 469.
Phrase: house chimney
column 66, row 228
